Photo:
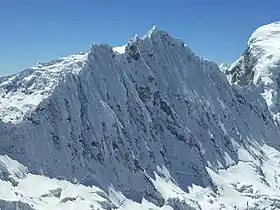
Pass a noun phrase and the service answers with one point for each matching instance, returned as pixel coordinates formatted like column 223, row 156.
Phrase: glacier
column 259, row 65
column 148, row 125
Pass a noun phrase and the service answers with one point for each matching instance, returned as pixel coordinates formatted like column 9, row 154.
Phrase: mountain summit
column 151, row 127
column 260, row 65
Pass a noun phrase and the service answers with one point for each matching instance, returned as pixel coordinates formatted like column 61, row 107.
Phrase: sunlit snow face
column 22, row 92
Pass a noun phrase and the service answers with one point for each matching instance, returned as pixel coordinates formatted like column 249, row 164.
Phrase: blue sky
column 35, row 30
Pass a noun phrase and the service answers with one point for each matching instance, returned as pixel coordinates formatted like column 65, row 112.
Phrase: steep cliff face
column 127, row 120
column 259, row 65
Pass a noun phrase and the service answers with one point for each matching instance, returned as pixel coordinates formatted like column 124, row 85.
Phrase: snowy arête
column 148, row 125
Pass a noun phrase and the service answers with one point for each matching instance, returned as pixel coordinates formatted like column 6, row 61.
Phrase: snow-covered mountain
column 149, row 125
column 224, row 67
column 260, row 65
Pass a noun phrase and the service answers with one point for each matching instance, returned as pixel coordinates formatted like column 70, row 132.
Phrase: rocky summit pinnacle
column 149, row 125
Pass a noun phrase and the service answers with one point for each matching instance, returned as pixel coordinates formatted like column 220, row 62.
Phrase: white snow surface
column 265, row 45
column 120, row 49
column 155, row 127
column 262, row 57
column 250, row 184
column 22, row 92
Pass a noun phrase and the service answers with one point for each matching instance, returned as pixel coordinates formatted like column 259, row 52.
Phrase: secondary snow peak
column 260, row 65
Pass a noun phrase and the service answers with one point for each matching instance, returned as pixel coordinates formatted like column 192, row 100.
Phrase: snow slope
column 250, row 184
column 259, row 64
column 22, row 92
column 120, row 49
column 156, row 124
column 224, row 67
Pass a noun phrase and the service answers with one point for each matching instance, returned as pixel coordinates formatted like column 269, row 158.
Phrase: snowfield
column 259, row 65
column 148, row 125
column 22, row 92
column 251, row 184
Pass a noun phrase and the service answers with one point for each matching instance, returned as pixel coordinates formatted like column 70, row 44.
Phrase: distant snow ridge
column 153, row 127
column 260, row 64
column 22, row 92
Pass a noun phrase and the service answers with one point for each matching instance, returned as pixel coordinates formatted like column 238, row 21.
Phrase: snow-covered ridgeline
column 126, row 119
column 21, row 93
column 259, row 65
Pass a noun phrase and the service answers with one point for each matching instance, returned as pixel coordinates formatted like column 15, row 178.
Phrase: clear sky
column 38, row 30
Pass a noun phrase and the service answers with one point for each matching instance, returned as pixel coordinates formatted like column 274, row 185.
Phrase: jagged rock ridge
column 156, row 113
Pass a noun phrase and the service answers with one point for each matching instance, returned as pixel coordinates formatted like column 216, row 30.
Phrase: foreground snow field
column 250, row 184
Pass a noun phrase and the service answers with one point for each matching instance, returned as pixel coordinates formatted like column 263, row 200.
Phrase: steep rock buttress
column 122, row 119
